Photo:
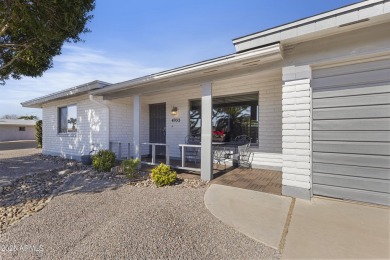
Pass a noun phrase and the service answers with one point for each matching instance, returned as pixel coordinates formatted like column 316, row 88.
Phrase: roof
column 70, row 92
column 17, row 122
column 359, row 15
column 251, row 50
column 250, row 58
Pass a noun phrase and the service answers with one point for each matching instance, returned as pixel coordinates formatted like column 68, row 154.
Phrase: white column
column 137, row 126
column 296, row 104
column 206, row 138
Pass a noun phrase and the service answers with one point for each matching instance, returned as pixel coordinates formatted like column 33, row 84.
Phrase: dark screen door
column 157, row 124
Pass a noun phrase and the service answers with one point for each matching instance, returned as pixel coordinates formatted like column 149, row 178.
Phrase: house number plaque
column 176, row 120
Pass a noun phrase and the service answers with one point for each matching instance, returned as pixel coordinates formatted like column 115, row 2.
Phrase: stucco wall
column 12, row 133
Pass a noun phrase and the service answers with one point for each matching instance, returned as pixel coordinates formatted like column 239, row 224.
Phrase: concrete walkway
column 320, row 228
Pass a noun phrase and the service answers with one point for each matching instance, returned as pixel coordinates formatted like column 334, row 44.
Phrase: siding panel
column 351, row 132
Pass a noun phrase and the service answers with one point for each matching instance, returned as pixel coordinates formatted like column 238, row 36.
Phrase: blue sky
column 134, row 38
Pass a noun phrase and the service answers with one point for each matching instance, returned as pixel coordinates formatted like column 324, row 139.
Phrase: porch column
column 206, row 138
column 296, row 104
column 137, row 126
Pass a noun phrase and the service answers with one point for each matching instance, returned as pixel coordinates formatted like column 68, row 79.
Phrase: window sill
column 67, row 134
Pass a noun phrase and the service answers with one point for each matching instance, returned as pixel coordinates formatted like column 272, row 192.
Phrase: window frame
column 59, row 130
column 22, row 129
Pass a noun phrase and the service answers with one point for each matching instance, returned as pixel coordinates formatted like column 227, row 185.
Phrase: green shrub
column 103, row 161
column 38, row 133
column 162, row 175
column 130, row 167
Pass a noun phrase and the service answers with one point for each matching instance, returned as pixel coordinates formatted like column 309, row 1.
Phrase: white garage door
column 351, row 132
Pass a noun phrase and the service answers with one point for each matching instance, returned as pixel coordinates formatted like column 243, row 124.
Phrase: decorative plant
column 218, row 134
column 103, row 161
column 130, row 167
column 38, row 133
column 162, row 175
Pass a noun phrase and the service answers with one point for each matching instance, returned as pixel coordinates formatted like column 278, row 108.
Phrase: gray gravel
column 17, row 163
column 129, row 222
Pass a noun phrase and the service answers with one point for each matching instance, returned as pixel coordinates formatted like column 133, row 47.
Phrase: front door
column 157, row 126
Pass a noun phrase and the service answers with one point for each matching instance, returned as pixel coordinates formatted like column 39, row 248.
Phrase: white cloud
column 77, row 65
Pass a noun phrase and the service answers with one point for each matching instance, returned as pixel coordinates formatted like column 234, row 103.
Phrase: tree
column 38, row 133
column 32, row 117
column 32, row 32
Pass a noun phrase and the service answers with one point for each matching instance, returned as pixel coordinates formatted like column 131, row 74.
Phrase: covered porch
column 153, row 119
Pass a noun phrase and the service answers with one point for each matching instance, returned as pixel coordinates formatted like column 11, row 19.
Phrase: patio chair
column 220, row 156
column 245, row 156
column 192, row 153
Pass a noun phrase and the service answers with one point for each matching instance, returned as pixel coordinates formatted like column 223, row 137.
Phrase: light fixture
column 174, row 111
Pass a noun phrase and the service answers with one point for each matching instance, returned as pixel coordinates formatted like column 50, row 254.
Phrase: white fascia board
column 364, row 10
column 193, row 68
column 67, row 93
column 17, row 122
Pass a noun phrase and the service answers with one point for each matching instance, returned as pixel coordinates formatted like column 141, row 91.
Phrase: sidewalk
column 320, row 228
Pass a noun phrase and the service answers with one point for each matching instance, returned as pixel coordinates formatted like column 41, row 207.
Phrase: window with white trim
column 67, row 119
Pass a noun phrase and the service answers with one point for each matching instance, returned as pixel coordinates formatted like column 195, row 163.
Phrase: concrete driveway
column 318, row 229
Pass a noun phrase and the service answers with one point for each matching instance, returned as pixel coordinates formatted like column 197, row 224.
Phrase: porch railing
column 167, row 158
column 119, row 147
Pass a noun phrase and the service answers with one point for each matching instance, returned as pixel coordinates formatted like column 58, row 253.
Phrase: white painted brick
column 297, row 184
column 289, row 126
column 302, row 107
column 289, row 107
column 302, row 152
column 294, row 145
column 302, row 165
column 289, row 139
column 287, row 95
column 302, row 87
column 288, row 151
column 302, row 126
column 289, row 164
column 302, row 113
column 289, row 114
column 302, row 139
column 289, row 101
column 302, row 178
column 302, row 100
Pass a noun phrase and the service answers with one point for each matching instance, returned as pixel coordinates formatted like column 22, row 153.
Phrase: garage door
column 351, row 132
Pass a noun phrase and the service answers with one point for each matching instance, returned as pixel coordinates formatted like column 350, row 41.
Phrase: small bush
column 130, row 167
column 162, row 175
column 38, row 133
column 103, row 161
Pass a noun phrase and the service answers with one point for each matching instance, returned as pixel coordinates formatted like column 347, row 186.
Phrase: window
column 67, row 119
column 22, row 128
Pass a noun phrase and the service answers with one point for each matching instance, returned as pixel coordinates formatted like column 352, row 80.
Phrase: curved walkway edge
column 258, row 215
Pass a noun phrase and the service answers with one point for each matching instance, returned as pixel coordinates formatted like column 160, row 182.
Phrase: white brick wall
column 92, row 123
column 296, row 128
column 93, row 118
column 121, row 123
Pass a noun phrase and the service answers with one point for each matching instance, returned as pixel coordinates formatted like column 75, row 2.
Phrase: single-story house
column 17, row 129
column 313, row 95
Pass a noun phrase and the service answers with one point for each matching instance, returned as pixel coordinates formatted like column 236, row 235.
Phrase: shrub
column 103, row 161
column 162, row 175
column 130, row 167
column 38, row 133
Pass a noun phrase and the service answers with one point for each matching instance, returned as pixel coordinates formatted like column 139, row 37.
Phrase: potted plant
column 218, row 136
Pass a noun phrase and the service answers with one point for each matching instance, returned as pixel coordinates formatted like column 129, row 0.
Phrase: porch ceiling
column 221, row 68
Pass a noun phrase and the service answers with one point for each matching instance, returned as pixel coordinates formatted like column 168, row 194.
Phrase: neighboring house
column 314, row 96
column 17, row 129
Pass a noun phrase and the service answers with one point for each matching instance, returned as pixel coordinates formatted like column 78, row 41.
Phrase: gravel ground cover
column 68, row 211
column 129, row 222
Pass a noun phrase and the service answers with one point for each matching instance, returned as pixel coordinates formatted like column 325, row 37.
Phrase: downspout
column 103, row 103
